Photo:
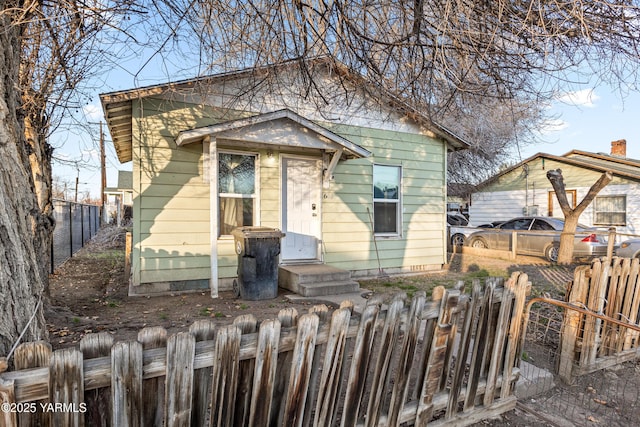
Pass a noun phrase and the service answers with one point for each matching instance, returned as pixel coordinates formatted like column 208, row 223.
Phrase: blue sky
column 587, row 119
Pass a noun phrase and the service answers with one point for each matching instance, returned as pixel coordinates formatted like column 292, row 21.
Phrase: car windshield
column 456, row 220
column 558, row 224
column 517, row 224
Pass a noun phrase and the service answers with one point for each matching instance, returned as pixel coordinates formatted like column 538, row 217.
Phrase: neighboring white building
column 525, row 190
column 119, row 200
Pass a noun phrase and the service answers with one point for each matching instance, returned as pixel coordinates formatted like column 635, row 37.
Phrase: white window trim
column 399, row 210
column 608, row 196
column 255, row 196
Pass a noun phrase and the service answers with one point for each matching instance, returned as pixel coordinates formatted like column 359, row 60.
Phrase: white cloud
column 580, row 98
column 553, row 125
column 90, row 155
column 93, row 112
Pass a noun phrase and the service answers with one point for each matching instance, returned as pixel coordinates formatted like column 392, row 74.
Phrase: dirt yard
column 88, row 293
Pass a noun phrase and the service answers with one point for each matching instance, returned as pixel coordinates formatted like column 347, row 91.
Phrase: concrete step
column 311, row 273
column 327, row 288
column 316, row 280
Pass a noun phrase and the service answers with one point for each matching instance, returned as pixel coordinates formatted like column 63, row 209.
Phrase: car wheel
column 457, row 240
column 479, row 243
column 551, row 253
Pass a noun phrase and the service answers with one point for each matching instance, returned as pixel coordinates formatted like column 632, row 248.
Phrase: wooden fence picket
column 520, row 288
column 595, row 303
column 501, row 331
column 359, row 364
column 492, row 320
column 437, row 352
column 33, row 355
column 98, row 400
column 67, row 387
column 463, row 350
column 477, row 356
column 225, row 376
column 126, row 383
column 288, row 318
column 631, row 337
column 8, row 397
column 248, row 324
column 301, row 368
column 265, row 373
column 202, row 330
column 322, row 311
column 612, row 307
column 153, row 388
column 332, row 367
column 178, row 393
column 407, row 354
column 387, row 338
column 427, row 339
column 573, row 326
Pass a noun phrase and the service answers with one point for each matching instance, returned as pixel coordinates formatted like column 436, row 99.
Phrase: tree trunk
column 40, row 163
column 571, row 216
column 21, row 278
column 565, row 253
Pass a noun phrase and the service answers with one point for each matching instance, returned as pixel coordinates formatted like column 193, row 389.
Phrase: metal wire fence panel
column 609, row 396
column 76, row 223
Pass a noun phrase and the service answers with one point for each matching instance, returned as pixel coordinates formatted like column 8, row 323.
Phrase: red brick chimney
column 619, row 148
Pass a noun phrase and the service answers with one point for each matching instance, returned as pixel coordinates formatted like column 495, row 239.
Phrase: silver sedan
column 629, row 249
column 539, row 236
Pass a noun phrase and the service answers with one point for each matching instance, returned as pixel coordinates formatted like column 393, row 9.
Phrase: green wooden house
column 354, row 178
column 524, row 189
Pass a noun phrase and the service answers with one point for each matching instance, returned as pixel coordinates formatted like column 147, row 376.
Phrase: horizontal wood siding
column 171, row 204
column 346, row 233
column 537, row 177
column 492, row 206
column 171, row 239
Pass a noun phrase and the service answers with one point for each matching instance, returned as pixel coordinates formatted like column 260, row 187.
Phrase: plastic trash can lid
column 259, row 232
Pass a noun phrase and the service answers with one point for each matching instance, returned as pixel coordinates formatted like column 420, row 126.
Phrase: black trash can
column 258, row 249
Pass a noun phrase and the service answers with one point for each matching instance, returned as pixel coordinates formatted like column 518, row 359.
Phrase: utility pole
column 77, row 182
column 103, row 174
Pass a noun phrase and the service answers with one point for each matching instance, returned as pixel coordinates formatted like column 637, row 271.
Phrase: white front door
column 301, row 198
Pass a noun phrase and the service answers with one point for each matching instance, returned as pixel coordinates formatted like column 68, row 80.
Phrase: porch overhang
column 281, row 129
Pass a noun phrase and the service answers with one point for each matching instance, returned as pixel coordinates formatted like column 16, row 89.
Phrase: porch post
column 213, row 212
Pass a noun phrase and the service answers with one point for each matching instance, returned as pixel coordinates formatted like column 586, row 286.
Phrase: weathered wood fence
column 451, row 360
column 589, row 343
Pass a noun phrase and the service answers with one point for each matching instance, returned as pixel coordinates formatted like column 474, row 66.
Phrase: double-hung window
column 236, row 191
column 386, row 200
column 610, row 210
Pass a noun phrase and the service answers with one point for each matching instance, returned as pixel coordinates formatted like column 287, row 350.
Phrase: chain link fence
column 76, row 223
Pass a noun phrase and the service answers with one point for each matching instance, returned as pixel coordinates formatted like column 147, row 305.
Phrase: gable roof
column 622, row 167
column 117, row 106
column 258, row 129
